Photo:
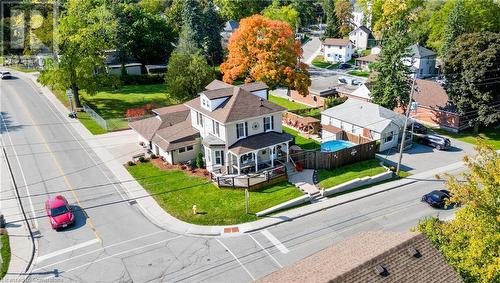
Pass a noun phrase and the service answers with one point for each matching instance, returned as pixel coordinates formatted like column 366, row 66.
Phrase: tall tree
column 306, row 10
column 470, row 241
column 455, row 26
column 155, row 7
column 193, row 20
column 343, row 11
column 282, row 13
column 396, row 10
column 471, row 67
column 174, row 15
column 391, row 85
column 332, row 22
column 212, row 28
column 238, row 9
column 85, row 31
column 143, row 36
column 266, row 50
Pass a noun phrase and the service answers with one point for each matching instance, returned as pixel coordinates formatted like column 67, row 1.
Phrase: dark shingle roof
column 216, row 84
column 175, row 136
column 148, row 127
column 259, row 141
column 355, row 258
column 420, row 51
column 254, row 86
column 218, row 93
column 170, row 109
column 432, row 94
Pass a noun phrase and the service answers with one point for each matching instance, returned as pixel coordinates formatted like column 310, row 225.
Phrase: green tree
column 282, row 13
column 471, row 67
column 193, row 20
column 187, row 73
column 211, row 29
column 143, row 36
column 237, row 9
column 174, row 15
column 306, row 10
column 343, row 11
column 391, row 85
column 332, row 22
column 455, row 26
column 85, row 31
column 470, row 241
column 155, row 7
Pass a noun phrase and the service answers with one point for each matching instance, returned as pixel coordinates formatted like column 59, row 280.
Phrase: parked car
column 59, row 212
column 438, row 199
column 344, row 66
column 438, row 142
column 5, row 75
column 418, row 128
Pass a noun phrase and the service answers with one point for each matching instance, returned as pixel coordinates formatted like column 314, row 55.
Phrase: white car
column 5, row 75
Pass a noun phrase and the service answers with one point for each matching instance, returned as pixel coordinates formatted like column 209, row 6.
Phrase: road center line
column 272, row 257
column 66, row 250
column 275, row 241
column 241, row 264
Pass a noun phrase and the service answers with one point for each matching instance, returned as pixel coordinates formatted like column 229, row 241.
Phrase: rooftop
column 336, row 41
column 365, row 114
column 259, row 141
column 325, row 86
column 432, row 94
column 371, row 257
column 368, row 58
column 420, row 51
column 177, row 135
column 149, row 126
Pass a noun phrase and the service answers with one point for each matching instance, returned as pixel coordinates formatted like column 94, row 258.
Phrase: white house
column 366, row 119
column 236, row 128
column 424, row 61
column 362, row 38
column 359, row 18
column 337, row 50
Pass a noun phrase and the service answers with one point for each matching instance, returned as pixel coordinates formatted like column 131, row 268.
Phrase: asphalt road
column 113, row 241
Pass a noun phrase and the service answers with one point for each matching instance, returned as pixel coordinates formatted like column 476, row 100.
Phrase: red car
column 59, row 212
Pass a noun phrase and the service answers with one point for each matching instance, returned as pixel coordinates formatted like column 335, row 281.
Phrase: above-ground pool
column 335, row 145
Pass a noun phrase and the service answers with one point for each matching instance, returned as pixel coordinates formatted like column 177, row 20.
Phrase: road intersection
column 114, row 240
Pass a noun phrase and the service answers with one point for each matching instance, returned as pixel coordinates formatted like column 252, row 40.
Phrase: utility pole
column 405, row 125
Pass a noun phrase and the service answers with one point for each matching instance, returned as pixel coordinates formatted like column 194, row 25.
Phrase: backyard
column 290, row 105
column 176, row 192
column 331, row 178
column 303, row 142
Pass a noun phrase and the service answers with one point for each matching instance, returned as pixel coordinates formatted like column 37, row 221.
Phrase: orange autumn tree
column 266, row 50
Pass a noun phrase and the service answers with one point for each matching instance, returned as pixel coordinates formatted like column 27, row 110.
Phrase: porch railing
column 247, row 181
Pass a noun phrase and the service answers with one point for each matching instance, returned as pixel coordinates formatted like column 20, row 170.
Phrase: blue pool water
column 331, row 146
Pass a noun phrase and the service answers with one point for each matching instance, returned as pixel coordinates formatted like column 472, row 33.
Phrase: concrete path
column 311, row 49
column 304, row 181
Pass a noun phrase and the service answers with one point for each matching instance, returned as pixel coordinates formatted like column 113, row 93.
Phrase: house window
column 241, row 130
column 340, row 47
column 389, row 137
column 189, row 148
column 268, row 123
column 245, row 158
column 219, row 157
column 199, row 118
column 182, row 149
column 215, row 128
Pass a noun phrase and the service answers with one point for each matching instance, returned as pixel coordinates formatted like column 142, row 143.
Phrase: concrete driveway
column 420, row 158
column 122, row 144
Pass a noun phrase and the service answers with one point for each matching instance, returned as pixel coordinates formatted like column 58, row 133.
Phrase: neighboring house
column 323, row 87
column 371, row 257
column 424, row 61
column 362, row 38
column 359, row 18
column 235, row 127
column 337, row 50
column 229, row 28
column 375, row 50
column 364, row 62
column 434, row 107
column 366, row 119
column 114, row 66
column 362, row 93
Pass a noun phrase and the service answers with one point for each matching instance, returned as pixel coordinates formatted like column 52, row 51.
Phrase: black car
column 344, row 66
column 436, row 198
column 418, row 128
column 438, row 142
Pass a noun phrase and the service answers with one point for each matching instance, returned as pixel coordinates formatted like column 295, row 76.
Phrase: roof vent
column 414, row 253
column 380, row 270
column 261, row 100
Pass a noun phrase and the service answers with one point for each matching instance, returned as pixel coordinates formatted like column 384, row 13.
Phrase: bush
column 153, row 156
column 142, row 159
column 199, row 160
column 131, row 163
column 146, row 79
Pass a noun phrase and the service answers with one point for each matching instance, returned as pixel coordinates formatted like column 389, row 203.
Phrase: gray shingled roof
column 177, row 135
column 149, row 126
column 336, row 41
column 355, row 258
column 259, row 141
column 420, row 51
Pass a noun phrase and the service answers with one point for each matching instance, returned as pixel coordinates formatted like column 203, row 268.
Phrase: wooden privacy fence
column 315, row 159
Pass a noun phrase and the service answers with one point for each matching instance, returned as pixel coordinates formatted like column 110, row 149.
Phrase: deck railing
column 249, row 180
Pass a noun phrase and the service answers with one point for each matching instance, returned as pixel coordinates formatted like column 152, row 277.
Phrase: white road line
column 275, row 241
column 98, row 250
column 22, row 172
column 241, row 264
column 113, row 255
column 66, row 250
column 272, row 257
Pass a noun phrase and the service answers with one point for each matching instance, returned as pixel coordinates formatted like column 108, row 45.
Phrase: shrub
column 184, row 167
column 199, row 160
column 142, row 159
column 131, row 163
column 153, row 156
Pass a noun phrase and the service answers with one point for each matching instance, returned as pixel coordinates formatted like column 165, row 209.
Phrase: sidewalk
column 149, row 207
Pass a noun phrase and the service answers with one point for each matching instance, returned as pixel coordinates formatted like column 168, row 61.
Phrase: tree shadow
column 6, row 124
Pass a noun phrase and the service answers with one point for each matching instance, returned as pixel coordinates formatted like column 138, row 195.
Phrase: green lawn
column 177, row 192
column 359, row 73
column 319, row 62
column 331, row 178
column 490, row 136
column 290, row 105
column 5, row 252
column 301, row 141
column 23, row 69
column 90, row 124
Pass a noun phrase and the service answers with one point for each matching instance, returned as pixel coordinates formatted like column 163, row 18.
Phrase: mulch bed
column 197, row 172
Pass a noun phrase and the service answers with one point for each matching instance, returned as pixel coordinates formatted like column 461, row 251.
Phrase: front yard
column 331, row 178
column 490, row 136
column 301, row 141
column 176, row 192
column 359, row 73
column 320, row 62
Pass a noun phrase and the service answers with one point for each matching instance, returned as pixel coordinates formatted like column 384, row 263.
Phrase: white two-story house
column 337, row 50
column 362, row 38
column 236, row 128
column 423, row 60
